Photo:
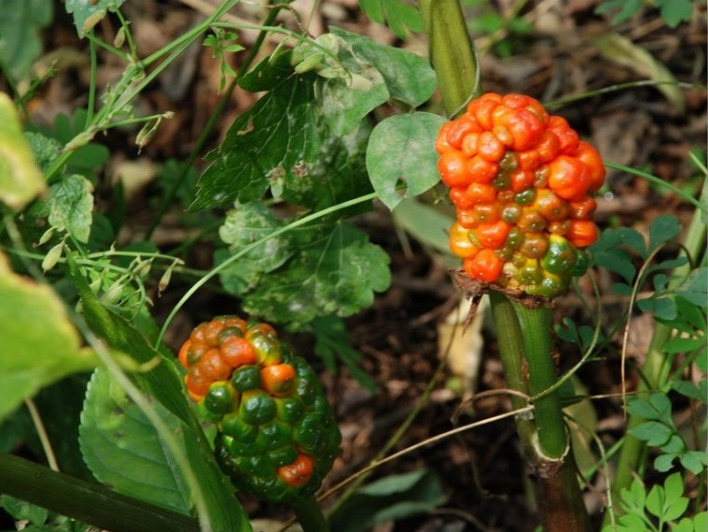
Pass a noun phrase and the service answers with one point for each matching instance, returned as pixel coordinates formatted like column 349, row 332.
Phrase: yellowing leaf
column 20, row 178
column 38, row 343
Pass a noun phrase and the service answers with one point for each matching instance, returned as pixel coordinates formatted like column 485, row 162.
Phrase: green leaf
column 71, row 206
column 274, row 140
column 664, row 462
column 88, row 14
column 20, row 40
column 664, row 228
column 427, row 224
column 123, row 449
column 700, row 522
column 20, row 179
column 656, row 499
column 679, row 344
column 409, row 77
column 611, row 239
column 394, row 497
column 657, row 407
column 689, row 389
column 694, row 461
column 39, row 343
column 399, row 15
column 663, row 308
column 695, row 287
column 89, row 156
column 348, row 86
column 674, row 12
column 625, row 9
column 23, row 510
column 337, row 272
column 653, row 432
column 162, row 381
column 332, row 343
column 616, row 260
column 44, row 149
column 402, row 151
column 242, row 226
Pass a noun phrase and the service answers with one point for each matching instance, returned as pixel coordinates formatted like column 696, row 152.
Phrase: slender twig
column 42, row 433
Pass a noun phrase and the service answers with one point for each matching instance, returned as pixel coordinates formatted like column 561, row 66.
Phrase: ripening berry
column 522, row 183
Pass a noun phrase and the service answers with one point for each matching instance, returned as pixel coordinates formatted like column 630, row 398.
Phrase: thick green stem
column 655, row 365
column 310, row 515
column 538, row 344
column 525, row 349
column 87, row 502
column 451, row 52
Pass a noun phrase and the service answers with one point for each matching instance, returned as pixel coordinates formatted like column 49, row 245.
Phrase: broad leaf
column 20, row 42
column 402, row 152
column 663, row 229
column 244, row 225
column 694, row 288
column 348, row 86
column 123, row 449
column 657, row 406
column 409, row 77
column 398, row 14
column 20, row 179
column 337, row 272
column 71, row 206
column 274, row 140
column 653, row 432
column 89, row 13
column 427, row 224
column 39, row 344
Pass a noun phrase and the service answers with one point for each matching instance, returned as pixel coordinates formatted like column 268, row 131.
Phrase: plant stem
column 654, row 368
column 310, row 515
column 451, row 52
column 536, row 333
column 525, row 349
column 85, row 501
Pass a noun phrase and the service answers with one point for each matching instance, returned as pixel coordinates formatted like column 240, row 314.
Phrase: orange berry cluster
column 522, row 183
column 277, row 436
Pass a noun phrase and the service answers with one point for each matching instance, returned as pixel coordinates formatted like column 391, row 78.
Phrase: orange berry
column 583, row 209
column 470, row 144
column 458, row 196
column 441, row 143
column 196, row 383
column 522, row 179
column 278, row 379
column 466, row 218
column 526, row 128
column 213, row 366
column 460, row 243
column 582, row 233
column 480, row 193
column 299, row 472
column 492, row 235
column 460, row 128
column 481, row 170
column 547, row 147
column 484, row 266
column 182, row 355
column 567, row 138
column 551, row 206
column 238, row 352
column 593, row 165
column 567, row 177
column 482, row 109
column 490, row 147
column 528, row 160
column 453, row 169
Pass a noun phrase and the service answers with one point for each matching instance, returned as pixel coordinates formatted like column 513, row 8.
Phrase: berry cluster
column 522, row 183
column 277, row 436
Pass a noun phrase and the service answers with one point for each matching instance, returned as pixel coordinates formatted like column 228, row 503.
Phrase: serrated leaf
column 274, row 140
column 20, row 179
column 123, row 449
column 244, row 225
column 409, row 77
column 71, row 206
column 337, row 272
column 348, row 86
column 20, row 41
column 402, row 151
column 88, row 13
column 695, row 287
column 39, row 343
